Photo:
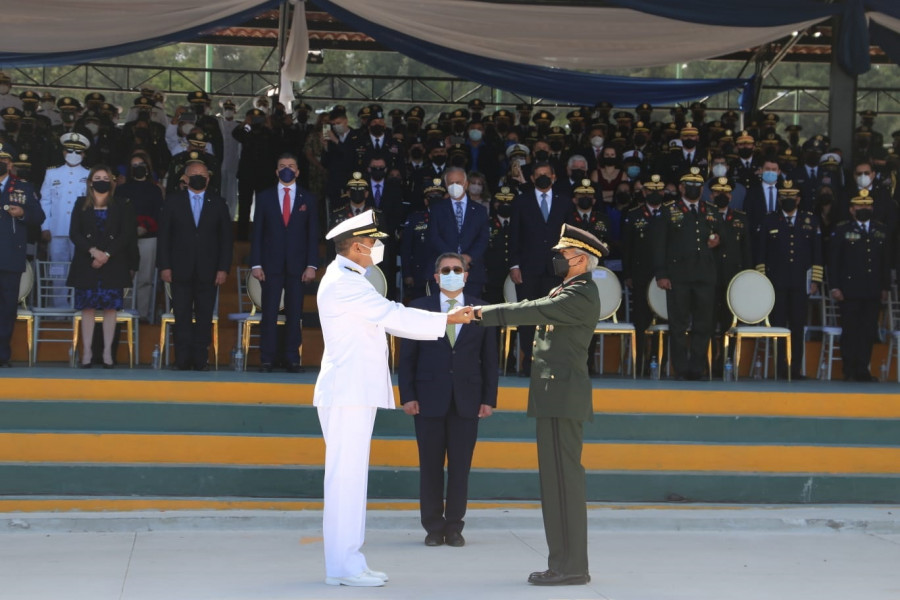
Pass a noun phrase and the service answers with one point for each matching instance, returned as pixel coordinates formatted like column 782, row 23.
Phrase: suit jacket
column 194, row 251
column 281, row 250
column 438, row 375
column 119, row 235
column 531, row 238
column 472, row 240
column 860, row 263
column 560, row 385
column 733, row 251
column 756, row 205
column 787, row 253
column 13, row 232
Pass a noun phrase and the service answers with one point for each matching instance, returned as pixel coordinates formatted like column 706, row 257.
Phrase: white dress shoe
column 361, row 580
column 379, row 574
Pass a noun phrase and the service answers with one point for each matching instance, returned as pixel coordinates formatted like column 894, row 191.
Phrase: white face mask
column 522, row 162
column 475, row 135
column 339, row 128
column 186, row 128
column 92, row 127
column 73, row 160
column 228, row 114
column 456, row 190
column 453, row 282
column 597, row 141
column 376, row 252
column 719, row 170
column 48, row 106
column 863, row 181
column 475, row 188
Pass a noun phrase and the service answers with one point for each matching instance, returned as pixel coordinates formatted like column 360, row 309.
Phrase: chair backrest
column 26, row 283
column 376, row 277
column 52, row 291
column 610, row 292
column 656, row 299
column 750, row 297
column 509, row 291
column 243, row 298
column 254, row 293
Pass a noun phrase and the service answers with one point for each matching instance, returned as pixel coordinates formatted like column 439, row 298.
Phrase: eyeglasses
column 446, row 270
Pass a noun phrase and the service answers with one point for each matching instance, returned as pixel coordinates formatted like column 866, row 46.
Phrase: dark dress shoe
column 108, row 365
column 455, row 539
column 434, row 539
column 203, row 367
column 294, row 369
column 551, row 577
column 265, row 368
column 85, row 365
column 864, row 377
column 183, row 367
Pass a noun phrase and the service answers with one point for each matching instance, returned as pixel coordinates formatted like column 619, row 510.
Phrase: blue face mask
column 452, row 282
column 286, row 175
column 770, row 177
column 633, row 171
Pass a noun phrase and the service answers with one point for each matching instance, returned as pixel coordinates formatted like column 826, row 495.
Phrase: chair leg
column 662, row 334
column 29, row 333
column 216, row 343
column 725, row 355
column 507, row 334
column 787, row 355
column 76, row 329
column 246, row 342
column 737, row 356
column 163, row 342
column 634, row 355
column 709, row 359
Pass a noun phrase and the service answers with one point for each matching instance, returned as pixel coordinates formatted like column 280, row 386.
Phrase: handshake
column 462, row 315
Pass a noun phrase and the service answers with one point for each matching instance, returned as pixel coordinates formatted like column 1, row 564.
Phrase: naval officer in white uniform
column 354, row 382
column 62, row 186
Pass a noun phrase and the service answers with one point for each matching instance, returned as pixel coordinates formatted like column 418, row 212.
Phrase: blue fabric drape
column 758, row 13
column 560, row 85
column 41, row 59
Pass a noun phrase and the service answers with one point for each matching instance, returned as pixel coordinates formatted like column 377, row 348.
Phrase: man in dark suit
column 458, row 225
column 448, row 385
column 762, row 198
column 258, row 144
column 559, row 397
column 193, row 254
column 284, row 255
column 20, row 210
column 386, row 197
column 538, row 213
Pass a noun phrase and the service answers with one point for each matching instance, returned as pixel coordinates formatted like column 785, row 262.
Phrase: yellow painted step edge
column 286, row 451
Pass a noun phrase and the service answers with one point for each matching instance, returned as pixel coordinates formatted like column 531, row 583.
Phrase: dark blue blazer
column 531, row 238
column 14, row 231
column 472, row 240
column 434, row 374
column 281, row 250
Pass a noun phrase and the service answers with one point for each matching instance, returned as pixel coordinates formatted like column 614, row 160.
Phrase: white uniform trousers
column 348, row 436
column 60, row 249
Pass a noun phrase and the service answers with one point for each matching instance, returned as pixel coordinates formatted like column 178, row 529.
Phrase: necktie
column 377, row 195
column 378, row 144
column 771, row 198
column 196, row 205
column 457, row 205
column 694, row 208
column 451, row 328
column 545, row 206
column 690, row 157
column 355, row 211
column 286, row 206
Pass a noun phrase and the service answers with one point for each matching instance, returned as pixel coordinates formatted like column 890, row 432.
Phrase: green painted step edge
column 306, row 483
column 104, row 417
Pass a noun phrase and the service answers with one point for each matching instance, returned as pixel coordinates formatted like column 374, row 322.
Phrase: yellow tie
column 451, row 327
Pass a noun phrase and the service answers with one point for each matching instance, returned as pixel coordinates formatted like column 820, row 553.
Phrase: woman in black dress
column 102, row 230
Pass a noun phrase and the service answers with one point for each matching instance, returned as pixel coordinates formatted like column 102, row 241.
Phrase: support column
column 842, row 99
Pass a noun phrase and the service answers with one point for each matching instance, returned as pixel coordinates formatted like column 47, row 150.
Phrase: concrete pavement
column 637, row 553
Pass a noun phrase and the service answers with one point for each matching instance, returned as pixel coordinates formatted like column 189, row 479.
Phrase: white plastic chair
column 610, row 291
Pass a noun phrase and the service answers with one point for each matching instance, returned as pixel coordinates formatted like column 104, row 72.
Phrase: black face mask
column 825, row 199
column 692, row 192
column 671, row 196
column 502, row 128
column 376, row 130
column 608, row 161
column 377, row 173
column 504, row 210
column 811, row 159
column 578, row 175
column 585, row 202
column 640, row 140
column 4, row 169
column 654, row 199
column 439, row 160
column 788, row 205
column 863, row 214
column 560, row 265
column 543, row 182
column 101, row 187
column 458, row 161
column 302, row 117
column 690, row 144
column 358, row 196
column 139, row 171
column 622, row 198
column 721, row 201
column 416, row 154
column 745, row 152
column 197, row 182
column 556, row 146
column 542, row 156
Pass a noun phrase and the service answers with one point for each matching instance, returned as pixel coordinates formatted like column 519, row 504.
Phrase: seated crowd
column 686, row 200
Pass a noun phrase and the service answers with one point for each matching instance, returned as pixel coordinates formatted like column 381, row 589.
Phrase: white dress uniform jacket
column 62, row 186
column 355, row 318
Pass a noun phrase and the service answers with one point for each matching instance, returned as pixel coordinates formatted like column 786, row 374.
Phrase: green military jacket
column 566, row 318
column 679, row 243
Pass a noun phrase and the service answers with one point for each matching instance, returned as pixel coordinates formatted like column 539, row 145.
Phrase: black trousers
column 246, row 189
column 641, row 316
column 563, row 493
column 192, row 301
column 791, row 310
column 9, row 297
column 269, row 352
column 451, row 437
column 859, row 328
column 690, row 306
column 532, row 288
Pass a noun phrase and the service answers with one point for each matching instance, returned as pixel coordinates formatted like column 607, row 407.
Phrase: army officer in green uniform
column 559, row 397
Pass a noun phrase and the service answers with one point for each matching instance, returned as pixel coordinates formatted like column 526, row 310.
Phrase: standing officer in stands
column 559, row 397
column 683, row 240
column 416, row 253
column 584, row 215
column 790, row 244
column 496, row 257
column 62, row 186
column 860, row 275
